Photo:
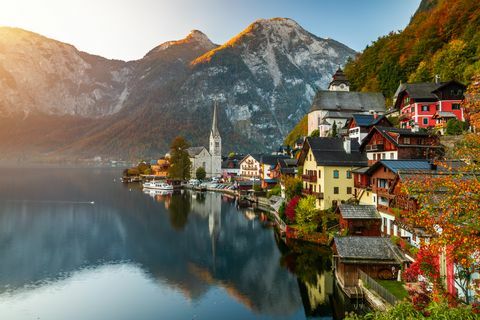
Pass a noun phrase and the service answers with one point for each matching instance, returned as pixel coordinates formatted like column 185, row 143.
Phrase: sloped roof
column 422, row 91
column 390, row 132
column 330, row 152
column 339, row 77
column 272, row 159
column 367, row 120
column 368, row 248
column 348, row 101
column 349, row 211
column 193, row 151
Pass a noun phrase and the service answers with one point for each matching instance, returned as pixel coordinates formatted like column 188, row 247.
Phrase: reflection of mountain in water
column 192, row 245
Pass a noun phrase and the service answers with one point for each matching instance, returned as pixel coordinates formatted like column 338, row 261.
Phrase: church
column 211, row 159
column 335, row 106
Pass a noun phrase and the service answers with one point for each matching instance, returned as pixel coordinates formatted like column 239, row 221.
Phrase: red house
column 398, row 144
column 360, row 220
column 418, row 102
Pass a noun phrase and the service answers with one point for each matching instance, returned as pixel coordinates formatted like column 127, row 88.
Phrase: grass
column 394, row 287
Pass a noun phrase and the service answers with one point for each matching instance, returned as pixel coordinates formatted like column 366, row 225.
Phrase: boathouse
column 376, row 256
column 360, row 220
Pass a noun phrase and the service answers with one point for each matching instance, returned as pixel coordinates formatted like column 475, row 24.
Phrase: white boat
column 158, row 185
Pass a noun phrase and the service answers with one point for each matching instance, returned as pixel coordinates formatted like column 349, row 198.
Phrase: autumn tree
column 179, row 159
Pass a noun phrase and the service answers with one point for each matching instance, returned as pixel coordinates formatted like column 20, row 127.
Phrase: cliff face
column 56, row 101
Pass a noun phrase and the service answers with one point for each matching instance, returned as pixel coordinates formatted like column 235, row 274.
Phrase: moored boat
column 158, row 185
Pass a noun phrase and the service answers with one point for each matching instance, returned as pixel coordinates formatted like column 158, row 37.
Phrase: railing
column 373, row 285
column 248, row 167
column 375, row 147
column 309, row 178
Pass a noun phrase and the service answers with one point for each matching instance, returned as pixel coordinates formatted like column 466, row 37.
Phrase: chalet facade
column 384, row 143
column 250, row 167
column 418, row 102
column 327, row 169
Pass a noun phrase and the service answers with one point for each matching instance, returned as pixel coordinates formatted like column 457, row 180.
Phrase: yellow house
column 327, row 169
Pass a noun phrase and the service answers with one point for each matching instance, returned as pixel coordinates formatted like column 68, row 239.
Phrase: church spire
column 214, row 131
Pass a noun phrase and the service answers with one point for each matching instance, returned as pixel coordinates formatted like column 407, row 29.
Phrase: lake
column 78, row 244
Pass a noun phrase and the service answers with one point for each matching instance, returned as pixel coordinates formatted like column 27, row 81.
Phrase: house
column 327, row 169
column 268, row 163
column 250, row 167
column 375, row 256
column 360, row 220
column 395, row 143
column 231, row 168
column 284, row 167
column 333, row 107
column 359, row 125
column 211, row 159
column 418, row 102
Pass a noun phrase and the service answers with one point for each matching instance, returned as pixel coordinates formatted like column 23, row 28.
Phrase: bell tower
column 215, row 145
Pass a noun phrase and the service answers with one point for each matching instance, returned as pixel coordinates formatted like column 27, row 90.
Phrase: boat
column 158, row 185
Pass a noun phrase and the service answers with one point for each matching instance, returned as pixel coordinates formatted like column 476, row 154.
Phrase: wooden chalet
column 360, row 220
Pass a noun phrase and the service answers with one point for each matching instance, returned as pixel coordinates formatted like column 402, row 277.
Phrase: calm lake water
column 78, row 244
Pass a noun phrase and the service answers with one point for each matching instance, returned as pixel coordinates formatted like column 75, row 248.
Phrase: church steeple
column 215, row 139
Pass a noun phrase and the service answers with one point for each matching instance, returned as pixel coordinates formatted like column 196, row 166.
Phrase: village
column 343, row 184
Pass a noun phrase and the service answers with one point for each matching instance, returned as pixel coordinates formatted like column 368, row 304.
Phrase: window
column 335, row 174
column 383, row 155
column 319, row 173
column 392, row 155
column 455, row 106
column 335, row 190
column 412, row 110
column 349, row 174
column 425, row 108
column 437, row 107
column 349, row 190
column 425, row 120
column 374, row 156
column 406, row 140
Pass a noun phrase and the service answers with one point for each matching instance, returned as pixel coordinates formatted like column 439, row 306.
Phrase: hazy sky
column 127, row 29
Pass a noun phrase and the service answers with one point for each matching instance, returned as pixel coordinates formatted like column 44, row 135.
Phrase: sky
column 128, row 29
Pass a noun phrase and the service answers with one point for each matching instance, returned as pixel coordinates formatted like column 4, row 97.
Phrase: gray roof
column 193, row 151
column 330, row 152
column 348, row 101
column 368, row 248
column 349, row 211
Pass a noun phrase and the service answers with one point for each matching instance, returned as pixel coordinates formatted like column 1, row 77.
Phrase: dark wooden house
column 360, row 220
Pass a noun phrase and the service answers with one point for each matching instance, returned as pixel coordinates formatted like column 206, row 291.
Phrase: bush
column 306, row 212
column 455, row 127
column 293, row 187
column 257, row 188
column 281, row 211
column 200, row 173
column 290, row 209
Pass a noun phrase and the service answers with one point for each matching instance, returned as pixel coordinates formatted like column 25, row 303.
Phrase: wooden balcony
column 307, row 192
column 309, row 178
column 375, row 147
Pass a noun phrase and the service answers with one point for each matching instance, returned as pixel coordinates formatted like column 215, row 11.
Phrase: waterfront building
column 378, row 257
column 327, row 169
column 418, row 103
column 211, row 159
column 250, row 167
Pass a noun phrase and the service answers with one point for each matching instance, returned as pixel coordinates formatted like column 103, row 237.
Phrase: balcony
column 309, row 178
column 307, row 192
column 250, row 168
column 375, row 147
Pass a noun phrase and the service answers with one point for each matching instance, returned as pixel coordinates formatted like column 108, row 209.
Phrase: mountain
column 57, row 102
column 442, row 38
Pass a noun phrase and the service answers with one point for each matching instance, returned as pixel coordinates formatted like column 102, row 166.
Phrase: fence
column 375, row 286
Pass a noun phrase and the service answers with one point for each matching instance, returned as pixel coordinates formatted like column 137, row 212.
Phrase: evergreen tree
column 200, row 173
column 179, row 159
column 334, row 129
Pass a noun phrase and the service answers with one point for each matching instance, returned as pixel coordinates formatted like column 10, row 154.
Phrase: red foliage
column 419, row 296
column 290, row 209
column 426, row 264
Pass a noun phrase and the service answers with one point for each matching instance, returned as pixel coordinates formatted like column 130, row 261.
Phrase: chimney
column 437, row 79
column 347, row 145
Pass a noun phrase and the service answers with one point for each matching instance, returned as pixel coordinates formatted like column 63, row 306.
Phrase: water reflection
column 52, row 240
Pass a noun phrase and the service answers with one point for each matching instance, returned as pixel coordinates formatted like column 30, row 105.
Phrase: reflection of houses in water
column 214, row 222
column 315, row 296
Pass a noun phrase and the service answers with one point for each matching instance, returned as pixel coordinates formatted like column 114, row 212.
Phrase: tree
column 306, row 212
column 179, row 159
column 454, row 127
column 334, row 129
column 315, row 133
column 290, row 209
column 200, row 173
column 293, row 186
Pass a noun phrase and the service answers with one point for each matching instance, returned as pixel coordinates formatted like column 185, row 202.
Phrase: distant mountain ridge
column 58, row 102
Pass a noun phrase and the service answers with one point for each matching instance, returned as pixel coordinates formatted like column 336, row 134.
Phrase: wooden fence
column 373, row 285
